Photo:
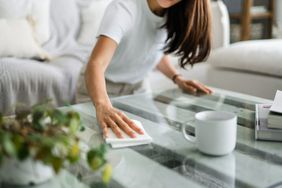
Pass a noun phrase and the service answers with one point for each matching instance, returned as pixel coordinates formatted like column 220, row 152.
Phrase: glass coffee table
column 171, row 161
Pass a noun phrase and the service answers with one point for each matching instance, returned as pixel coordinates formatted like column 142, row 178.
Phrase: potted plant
column 38, row 142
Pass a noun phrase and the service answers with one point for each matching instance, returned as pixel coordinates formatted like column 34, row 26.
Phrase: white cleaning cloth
column 126, row 141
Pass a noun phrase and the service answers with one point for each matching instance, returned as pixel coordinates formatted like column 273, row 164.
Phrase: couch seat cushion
column 25, row 81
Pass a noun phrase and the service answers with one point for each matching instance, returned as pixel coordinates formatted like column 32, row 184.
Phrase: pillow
column 262, row 56
column 37, row 10
column 40, row 14
column 17, row 40
column 14, row 9
column 91, row 18
column 220, row 25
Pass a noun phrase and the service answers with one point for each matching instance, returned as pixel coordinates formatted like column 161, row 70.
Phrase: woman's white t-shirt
column 136, row 30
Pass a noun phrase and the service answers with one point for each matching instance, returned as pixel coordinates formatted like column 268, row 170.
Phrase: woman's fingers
column 118, row 122
column 128, row 122
column 114, row 127
column 190, row 89
column 104, row 129
column 207, row 90
column 199, row 86
column 124, row 126
column 210, row 91
column 132, row 125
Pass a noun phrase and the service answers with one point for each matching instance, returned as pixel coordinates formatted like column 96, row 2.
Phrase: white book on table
column 262, row 131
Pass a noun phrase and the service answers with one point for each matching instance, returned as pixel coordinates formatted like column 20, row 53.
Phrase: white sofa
column 29, row 81
column 251, row 67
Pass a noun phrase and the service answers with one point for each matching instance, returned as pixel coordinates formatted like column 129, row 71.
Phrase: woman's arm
column 190, row 86
column 106, row 114
column 94, row 75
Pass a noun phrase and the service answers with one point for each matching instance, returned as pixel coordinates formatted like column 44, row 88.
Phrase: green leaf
column 74, row 125
column 90, row 155
column 82, row 128
column 94, row 159
column 103, row 149
column 57, row 164
column 96, row 163
column 107, row 173
column 23, row 152
column 99, row 152
column 44, row 106
column 38, row 119
column 44, row 154
column 74, row 121
column 21, row 147
column 58, row 117
column 74, row 153
column 22, row 114
column 42, row 141
column 73, row 115
column 8, row 145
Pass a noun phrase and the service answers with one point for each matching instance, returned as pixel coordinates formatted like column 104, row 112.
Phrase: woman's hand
column 192, row 86
column 110, row 117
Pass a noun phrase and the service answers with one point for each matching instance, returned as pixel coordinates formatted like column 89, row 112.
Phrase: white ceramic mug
column 215, row 132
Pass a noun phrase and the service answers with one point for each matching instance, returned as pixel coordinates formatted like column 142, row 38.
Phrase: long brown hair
column 189, row 31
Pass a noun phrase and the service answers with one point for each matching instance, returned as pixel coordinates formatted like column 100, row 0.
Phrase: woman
column 135, row 36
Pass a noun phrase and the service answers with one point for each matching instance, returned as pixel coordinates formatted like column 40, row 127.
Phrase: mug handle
column 186, row 136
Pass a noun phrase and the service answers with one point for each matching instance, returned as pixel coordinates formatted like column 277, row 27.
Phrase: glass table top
column 171, row 161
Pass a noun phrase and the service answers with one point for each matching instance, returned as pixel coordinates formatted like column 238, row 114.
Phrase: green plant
column 47, row 134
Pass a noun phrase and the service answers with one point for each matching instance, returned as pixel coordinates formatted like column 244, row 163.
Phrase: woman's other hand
column 192, row 86
column 111, row 118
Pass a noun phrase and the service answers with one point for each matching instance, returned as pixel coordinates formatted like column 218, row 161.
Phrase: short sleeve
column 117, row 20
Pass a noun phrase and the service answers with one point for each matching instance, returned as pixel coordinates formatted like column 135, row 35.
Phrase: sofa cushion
column 220, row 25
column 261, row 56
column 40, row 14
column 35, row 82
column 38, row 11
column 17, row 40
column 14, row 9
